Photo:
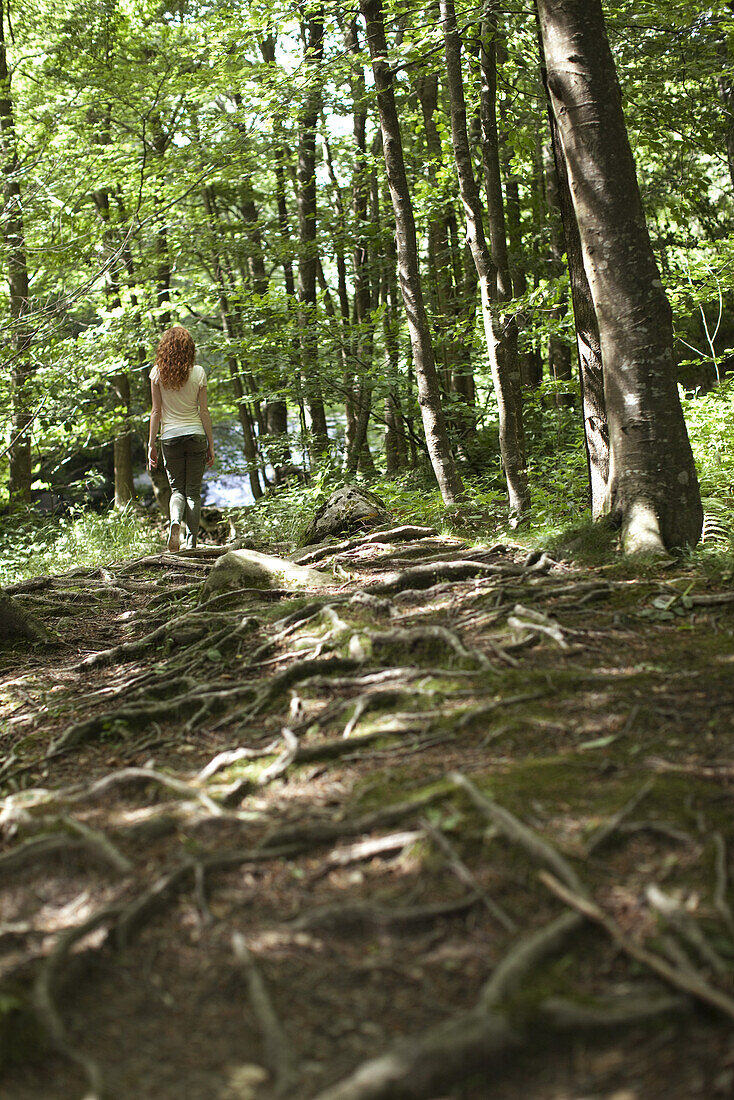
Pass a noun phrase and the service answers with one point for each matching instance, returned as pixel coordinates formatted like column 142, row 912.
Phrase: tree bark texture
column 559, row 351
column 509, row 364
column 361, row 258
column 429, row 397
column 307, row 256
column 512, row 443
column 591, row 373
column 653, row 489
column 17, row 273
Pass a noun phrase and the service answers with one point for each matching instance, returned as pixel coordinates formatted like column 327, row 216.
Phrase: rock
column 348, row 509
column 249, row 569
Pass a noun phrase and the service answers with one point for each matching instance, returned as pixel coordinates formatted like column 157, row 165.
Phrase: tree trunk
column 361, row 260
column 249, row 444
column 559, row 352
column 512, row 442
column 346, row 351
column 308, row 257
column 17, row 271
column 591, row 374
column 653, row 489
column 429, row 397
column 123, row 452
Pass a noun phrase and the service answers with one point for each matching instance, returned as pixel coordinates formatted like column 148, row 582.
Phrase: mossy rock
column 350, row 508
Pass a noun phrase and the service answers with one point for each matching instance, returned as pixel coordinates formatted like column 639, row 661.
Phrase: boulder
column 348, row 509
column 250, row 569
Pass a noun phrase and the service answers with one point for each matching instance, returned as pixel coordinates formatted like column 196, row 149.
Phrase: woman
column 178, row 392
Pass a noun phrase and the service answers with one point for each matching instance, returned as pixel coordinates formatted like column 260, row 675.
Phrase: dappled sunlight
column 369, row 816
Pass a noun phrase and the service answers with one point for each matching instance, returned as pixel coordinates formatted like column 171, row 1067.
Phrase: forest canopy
column 225, row 166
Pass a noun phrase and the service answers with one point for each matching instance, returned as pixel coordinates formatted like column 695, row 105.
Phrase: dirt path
column 335, row 845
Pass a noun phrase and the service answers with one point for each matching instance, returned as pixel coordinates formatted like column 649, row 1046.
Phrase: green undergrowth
column 33, row 546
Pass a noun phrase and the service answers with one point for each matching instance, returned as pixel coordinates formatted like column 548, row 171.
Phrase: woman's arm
column 206, row 420
column 155, row 420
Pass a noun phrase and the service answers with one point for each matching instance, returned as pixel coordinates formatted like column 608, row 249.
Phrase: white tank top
column 180, row 413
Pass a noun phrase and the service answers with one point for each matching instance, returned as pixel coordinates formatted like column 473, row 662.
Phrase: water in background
column 227, row 485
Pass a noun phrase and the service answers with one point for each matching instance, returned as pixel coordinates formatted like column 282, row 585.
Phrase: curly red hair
column 175, row 357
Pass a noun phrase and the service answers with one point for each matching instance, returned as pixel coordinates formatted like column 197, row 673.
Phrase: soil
column 180, row 925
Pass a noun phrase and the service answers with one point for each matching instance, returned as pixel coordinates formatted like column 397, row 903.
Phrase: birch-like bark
column 429, row 397
column 512, row 443
column 653, row 489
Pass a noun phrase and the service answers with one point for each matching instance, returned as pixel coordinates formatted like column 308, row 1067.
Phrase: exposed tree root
column 363, row 915
column 516, row 831
column 681, row 979
column 279, row 1054
column 48, row 978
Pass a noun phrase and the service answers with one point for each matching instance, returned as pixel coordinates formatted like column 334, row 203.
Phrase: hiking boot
column 174, row 538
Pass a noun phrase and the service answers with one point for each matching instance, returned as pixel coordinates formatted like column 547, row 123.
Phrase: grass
column 33, row 546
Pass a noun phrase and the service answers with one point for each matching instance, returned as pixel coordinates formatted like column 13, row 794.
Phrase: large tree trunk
column 17, row 272
column 429, row 396
column 653, row 489
column 512, row 442
column 308, row 256
column 591, row 373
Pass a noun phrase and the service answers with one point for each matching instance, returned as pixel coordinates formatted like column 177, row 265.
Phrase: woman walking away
column 178, row 391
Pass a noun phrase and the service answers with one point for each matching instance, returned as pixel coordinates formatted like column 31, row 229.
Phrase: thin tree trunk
column 429, row 397
column 162, row 254
column 653, row 489
column 512, row 443
column 307, row 213
column 361, row 258
column 249, row 444
column 346, row 351
column 17, row 272
column 120, row 383
column 267, row 49
column 559, row 352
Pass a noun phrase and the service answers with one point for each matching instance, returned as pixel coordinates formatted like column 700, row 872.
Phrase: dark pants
column 185, row 458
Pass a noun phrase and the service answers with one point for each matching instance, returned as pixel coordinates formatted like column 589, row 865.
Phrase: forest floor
column 336, row 844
